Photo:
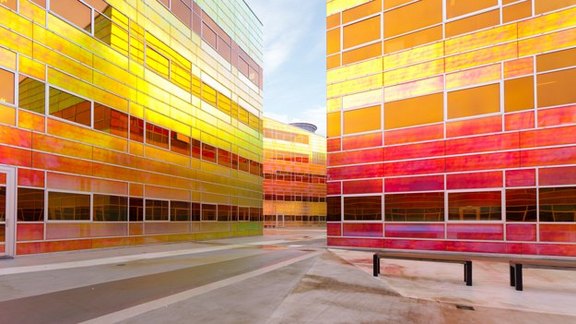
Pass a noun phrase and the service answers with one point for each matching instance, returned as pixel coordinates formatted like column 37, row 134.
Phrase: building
column 294, row 175
column 126, row 122
column 452, row 125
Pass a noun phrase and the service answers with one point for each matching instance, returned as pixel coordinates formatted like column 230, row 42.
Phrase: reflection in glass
column 416, row 207
column 70, row 107
column 334, row 209
column 31, row 94
column 7, row 92
column 473, row 206
column 208, row 212
column 68, row 206
column 558, row 204
column 363, row 208
column 157, row 210
column 30, row 205
column 521, row 205
column 110, row 208
column 180, row 211
column 136, row 209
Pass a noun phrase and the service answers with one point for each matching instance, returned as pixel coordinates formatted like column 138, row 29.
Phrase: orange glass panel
column 412, row 40
column 518, row 67
column 549, row 5
column 461, row 26
column 362, row 53
column 455, row 8
column 414, row 111
column 333, row 61
column 7, row 88
column 361, row 11
column 556, row 60
column 9, row 3
column 333, row 21
column 394, row 3
column 362, row 120
column 333, row 41
column 474, row 101
column 413, row 16
column 519, row 94
column 556, row 88
column 517, row 11
column 362, row 32
column 333, row 124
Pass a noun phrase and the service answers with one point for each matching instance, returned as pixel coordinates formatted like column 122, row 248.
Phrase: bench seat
column 516, row 266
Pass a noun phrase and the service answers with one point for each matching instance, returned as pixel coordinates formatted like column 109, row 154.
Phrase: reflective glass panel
column 475, row 206
column 521, row 205
column 558, row 204
column 110, row 208
column 416, row 207
column 30, row 205
column 363, row 208
column 68, row 206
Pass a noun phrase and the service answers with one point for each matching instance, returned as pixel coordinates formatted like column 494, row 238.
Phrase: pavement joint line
column 134, row 311
column 125, row 258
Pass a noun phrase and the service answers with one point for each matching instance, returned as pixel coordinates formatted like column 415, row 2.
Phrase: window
column 31, row 94
column 70, row 107
column 558, row 204
column 243, row 164
column 180, row 143
column 158, row 136
column 208, row 212
column 224, row 213
column 475, row 206
column 74, row 12
column 180, row 211
column 416, row 207
column 196, row 148
column 333, row 124
column 208, row 153
column 255, row 214
column 7, row 91
column 195, row 208
column 243, row 214
column 465, row 25
column 136, row 129
column 521, row 205
column 224, row 158
column 110, row 121
column 12, row 4
column 255, row 168
column 182, row 12
column 136, row 209
column 363, row 208
column 68, row 206
column 30, row 205
column 157, row 210
column 110, row 208
column 157, row 62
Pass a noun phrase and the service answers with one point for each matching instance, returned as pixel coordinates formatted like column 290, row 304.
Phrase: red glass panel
column 334, row 229
column 557, row 176
column 365, row 230
column 356, row 242
column 355, row 172
column 558, row 232
column 414, row 134
column 551, row 156
column 434, row 245
column 30, row 232
column 521, row 232
column 474, row 126
column 333, row 144
column 15, row 157
column 333, row 188
column 495, row 142
column 475, row 231
column 414, row 167
column 557, row 116
column 364, row 156
column 484, row 162
column 412, row 151
column 548, row 137
column 363, row 186
column 15, row 137
column 414, row 183
column 30, row 178
column 475, row 206
column 474, row 180
column 362, row 141
column 415, row 230
column 520, row 178
column 517, row 121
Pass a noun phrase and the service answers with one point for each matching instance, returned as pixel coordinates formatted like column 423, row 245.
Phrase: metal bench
column 516, row 266
column 447, row 258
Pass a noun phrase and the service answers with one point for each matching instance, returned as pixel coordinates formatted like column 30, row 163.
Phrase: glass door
column 7, row 211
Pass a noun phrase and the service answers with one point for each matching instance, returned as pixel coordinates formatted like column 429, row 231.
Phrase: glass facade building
column 294, row 176
column 452, row 125
column 127, row 122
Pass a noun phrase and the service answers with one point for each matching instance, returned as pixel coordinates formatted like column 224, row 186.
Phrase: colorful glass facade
column 452, row 125
column 128, row 122
column 294, row 176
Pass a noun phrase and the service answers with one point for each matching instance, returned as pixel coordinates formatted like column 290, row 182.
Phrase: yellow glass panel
column 333, row 124
column 556, row 88
column 361, row 11
column 556, row 60
column 412, row 40
column 32, row 68
column 362, row 120
column 414, row 111
column 465, row 25
column 362, row 32
column 7, row 59
column 517, row 11
column 546, row 23
column 355, row 71
column 474, row 101
column 419, row 71
column 335, row 6
column 357, row 85
column 483, row 38
column 480, row 57
column 547, row 43
column 455, row 8
column 413, row 16
column 333, row 41
column 361, row 54
column 334, row 104
column 543, row 6
column 519, row 94
column 472, row 77
column 414, row 89
column 413, row 56
column 367, row 98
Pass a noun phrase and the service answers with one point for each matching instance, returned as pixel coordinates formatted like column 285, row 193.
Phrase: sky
column 294, row 60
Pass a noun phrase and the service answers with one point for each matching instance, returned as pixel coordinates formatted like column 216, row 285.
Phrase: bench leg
column 468, row 273
column 512, row 276
column 375, row 265
column 518, row 277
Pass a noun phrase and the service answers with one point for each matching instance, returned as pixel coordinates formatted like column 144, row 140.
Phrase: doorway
column 7, row 212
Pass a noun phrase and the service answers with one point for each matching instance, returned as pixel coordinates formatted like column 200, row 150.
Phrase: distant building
column 452, row 125
column 294, row 175
column 127, row 122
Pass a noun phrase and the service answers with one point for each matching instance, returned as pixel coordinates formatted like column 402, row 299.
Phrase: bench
column 447, row 258
column 516, row 266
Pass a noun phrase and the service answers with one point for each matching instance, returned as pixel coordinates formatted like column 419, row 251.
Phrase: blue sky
column 294, row 60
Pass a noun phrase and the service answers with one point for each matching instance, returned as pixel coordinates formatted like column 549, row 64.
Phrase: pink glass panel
column 415, row 230
column 355, row 172
column 434, row 245
column 474, row 180
column 478, row 247
column 363, row 229
column 521, row 178
column 552, row 156
column 557, row 116
column 475, row 231
column 548, row 137
column 496, row 142
column 557, row 176
column 414, row 183
column 363, row 186
column 521, row 120
column 558, row 232
column 364, row 156
column 414, row 167
column 414, row 134
column 362, row 141
column 356, row 242
column 333, row 229
column 30, row 232
column 412, row 151
column 521, row 232
column 483, row 162
column 474, row 126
